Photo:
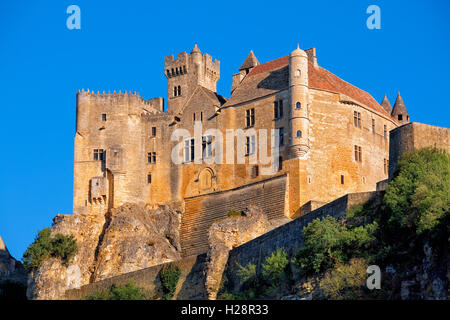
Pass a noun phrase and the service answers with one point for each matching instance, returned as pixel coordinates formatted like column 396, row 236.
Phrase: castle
column 333, row 139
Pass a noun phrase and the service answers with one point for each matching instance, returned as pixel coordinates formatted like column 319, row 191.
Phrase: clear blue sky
column 122, row 44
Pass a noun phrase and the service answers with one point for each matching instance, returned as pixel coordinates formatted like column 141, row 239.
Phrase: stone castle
column 333, row 140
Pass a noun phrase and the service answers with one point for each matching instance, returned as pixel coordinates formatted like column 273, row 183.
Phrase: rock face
column 126, row 239
column 10, row 268
column 227, row 234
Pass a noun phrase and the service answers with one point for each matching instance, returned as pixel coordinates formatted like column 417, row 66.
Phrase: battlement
column 126, row 96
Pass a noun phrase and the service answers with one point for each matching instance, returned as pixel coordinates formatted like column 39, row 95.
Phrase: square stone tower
column 185, row 73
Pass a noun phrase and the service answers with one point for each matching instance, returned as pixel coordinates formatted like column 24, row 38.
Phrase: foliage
column 235, row 213
column 274, row 267
column 344, row 282
column 419, row 195
column 128, row 292
column 329, row 242
column 169, row 274
column 45, row 246
column 247, row 274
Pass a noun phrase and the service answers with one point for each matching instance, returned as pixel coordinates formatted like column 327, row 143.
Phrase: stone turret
column 399, row 112
column 386, row 105
column 185, row 73
column 299, row 92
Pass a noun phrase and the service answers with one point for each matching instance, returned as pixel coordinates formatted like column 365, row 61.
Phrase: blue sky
column 121, row 46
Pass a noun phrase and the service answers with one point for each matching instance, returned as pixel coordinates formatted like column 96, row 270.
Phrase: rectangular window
column 255, row 171
column 201, row 116
column 250, row 117
column 373, row 125
column 280, row 163
column 207, row 147
column 153, row 131
column 357, row 119
column 149, row 178
column 342, row 179
column 278, row 109
column 358, row 153
column 281, row 136
column 151, row 157
column 193, row 117
column 103, row 116
column 99, row 155
column 189, row 150
column 250, row 145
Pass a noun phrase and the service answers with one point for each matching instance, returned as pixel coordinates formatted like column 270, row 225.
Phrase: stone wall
column 202, row 211
column 288, row 236
column 413, row 136
column 190, row 286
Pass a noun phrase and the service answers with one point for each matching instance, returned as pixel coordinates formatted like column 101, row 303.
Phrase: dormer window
column 400, row 117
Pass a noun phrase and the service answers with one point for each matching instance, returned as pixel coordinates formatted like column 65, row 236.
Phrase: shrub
column 345, row 281
column 45, row 246
column 274, row 267
column 169, row 274
column 329, row 242
column 247, row 274
column 128, row 292
column 418, row 196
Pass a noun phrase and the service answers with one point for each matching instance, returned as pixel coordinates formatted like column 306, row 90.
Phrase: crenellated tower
column 299, row 93
column 185, row 73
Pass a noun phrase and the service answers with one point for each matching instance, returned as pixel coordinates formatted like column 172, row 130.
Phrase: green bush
column 274, row 267
column 45, row 246
column 169, row 275
column 247, row 274
column 419, row 195
column 345, row 282
column 128, row 292
column 329, row 242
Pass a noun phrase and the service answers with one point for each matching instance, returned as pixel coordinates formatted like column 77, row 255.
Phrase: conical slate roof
column 386, row 105
column 399, row 108
column 249, row 62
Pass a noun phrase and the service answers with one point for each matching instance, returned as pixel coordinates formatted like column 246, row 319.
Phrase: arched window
column 299, row 133
column 179, row 90
column 177, row 71
column 174, row 91
column 173, row 72
column 298, row 73
column 298, row 105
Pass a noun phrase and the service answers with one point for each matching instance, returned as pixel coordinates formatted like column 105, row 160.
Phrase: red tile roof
column 319, row 78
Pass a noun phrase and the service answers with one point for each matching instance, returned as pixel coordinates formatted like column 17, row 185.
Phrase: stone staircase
column 202, row 211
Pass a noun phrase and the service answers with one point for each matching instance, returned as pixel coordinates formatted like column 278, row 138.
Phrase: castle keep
column 333, row 140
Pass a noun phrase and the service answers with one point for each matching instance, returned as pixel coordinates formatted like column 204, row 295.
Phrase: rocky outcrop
column 126, row 239
column 227, row 234
column 11, row 270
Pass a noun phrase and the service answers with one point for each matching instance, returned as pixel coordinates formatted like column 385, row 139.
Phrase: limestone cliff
column 125, row 239
column 227, row 234
column 10, row 268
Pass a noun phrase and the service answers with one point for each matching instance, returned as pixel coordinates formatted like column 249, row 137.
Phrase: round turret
column 299, row 92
